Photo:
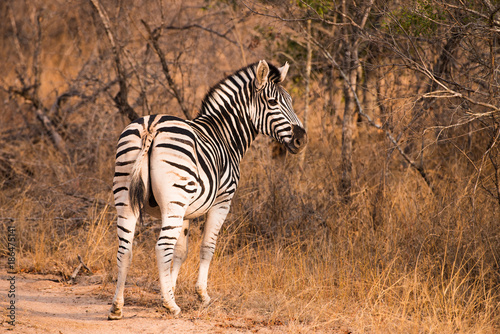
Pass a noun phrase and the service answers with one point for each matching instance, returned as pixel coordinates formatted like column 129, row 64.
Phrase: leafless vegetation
column 390, row 223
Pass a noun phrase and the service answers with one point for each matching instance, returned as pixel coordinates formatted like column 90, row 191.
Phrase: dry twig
column 153, row 37
column 121, row 99
column 77, row 270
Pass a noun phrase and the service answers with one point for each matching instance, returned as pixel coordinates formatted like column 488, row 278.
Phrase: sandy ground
column 46, row 305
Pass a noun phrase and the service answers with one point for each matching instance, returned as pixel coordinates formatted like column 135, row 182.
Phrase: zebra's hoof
column 205, row 301
column 173, row 309
column 203, row 296
column 115, row 313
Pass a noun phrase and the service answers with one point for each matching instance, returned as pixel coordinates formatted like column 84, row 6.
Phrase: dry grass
column 292, row 253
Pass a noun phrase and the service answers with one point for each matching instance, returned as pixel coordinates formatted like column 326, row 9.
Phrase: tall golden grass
column 292, row 253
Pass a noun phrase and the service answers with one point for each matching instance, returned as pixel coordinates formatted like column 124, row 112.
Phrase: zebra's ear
column 261, row 74
column 283, row 71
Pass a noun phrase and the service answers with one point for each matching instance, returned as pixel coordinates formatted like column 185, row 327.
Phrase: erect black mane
column 274, row 76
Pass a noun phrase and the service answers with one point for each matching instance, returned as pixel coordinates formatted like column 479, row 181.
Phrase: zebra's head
column 274, row 112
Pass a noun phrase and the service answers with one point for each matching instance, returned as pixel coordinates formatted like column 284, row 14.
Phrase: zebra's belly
column 197, row 208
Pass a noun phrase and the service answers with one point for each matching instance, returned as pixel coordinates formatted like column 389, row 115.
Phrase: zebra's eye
column 273, row 102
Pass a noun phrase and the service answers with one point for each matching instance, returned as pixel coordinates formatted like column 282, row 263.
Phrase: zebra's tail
column 137, row 189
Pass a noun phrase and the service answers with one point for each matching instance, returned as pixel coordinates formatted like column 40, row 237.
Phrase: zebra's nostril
column 299, row 136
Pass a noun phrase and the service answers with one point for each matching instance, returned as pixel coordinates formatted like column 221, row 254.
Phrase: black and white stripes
column 178, row 170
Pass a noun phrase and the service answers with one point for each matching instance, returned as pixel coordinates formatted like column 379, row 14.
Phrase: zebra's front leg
column 125, row 230
column 170, row 231
column 215, row 218
column 180, row 252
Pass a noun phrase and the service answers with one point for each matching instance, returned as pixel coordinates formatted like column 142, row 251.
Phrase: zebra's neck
column 226, row 112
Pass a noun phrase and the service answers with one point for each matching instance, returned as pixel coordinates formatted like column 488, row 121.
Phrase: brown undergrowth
column 292, row 252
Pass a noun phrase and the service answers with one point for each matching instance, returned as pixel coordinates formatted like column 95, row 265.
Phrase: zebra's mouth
column 298, row 141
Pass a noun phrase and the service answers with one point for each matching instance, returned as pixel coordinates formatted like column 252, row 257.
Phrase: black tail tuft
column 137, row 189
column 137, row 193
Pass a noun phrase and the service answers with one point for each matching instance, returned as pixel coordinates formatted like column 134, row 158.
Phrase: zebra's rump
column 170, row 165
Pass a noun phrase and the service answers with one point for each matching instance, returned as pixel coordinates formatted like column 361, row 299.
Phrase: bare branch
column 153, row 40
column 41, row 114
column 489, row 18
column 366, row 14
column 83, row 264
column 370, row 121
column 447, row 92
column 36, row 55
column 237, row 34
column 15, row 34
column 485, row 154
column 49, row 127
column 197, row 26
column 121, row 99
column 277, row 17
column 497, row 177
column 308, row 88
column 143, row 96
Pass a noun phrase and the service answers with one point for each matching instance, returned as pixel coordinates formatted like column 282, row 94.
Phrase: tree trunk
column 308, row 88
column 350, row 68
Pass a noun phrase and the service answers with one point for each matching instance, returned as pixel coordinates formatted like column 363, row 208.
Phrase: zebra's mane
column 274, row 76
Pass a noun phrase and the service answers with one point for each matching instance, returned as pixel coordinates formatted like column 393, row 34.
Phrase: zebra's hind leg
column 125, row 228
column 215, row 218
column 170, row 231
column 180, row 252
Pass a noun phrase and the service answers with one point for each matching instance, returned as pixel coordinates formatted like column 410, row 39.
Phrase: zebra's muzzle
column 298, row 141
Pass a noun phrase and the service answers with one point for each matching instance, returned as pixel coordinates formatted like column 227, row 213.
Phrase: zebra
column 177, row 170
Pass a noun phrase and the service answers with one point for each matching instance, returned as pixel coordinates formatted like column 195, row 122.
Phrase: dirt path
column 45, row 305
